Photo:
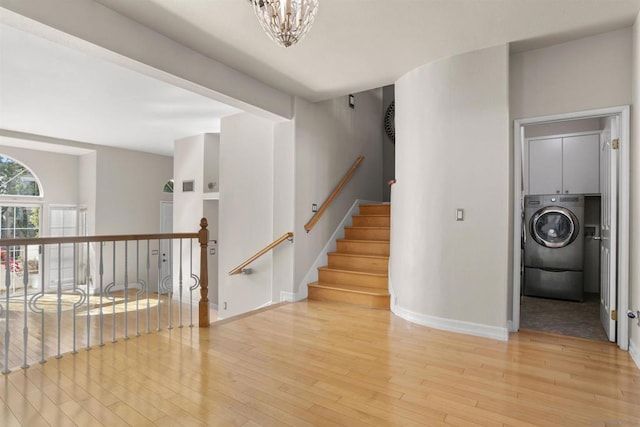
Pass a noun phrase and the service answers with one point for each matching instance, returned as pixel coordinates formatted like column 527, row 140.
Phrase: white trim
column 623, row 228
column 510, row 326
column 322, row 259
column 458, row 326
column 635, row 354
column 292, row 296
column 623, row 211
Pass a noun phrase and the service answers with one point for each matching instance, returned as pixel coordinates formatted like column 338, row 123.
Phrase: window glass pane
column 15, row 179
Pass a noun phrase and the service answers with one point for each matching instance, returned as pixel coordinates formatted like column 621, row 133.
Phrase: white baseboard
column 293, row 297
column 322, row 259
column 634, row 352
column 451, row 325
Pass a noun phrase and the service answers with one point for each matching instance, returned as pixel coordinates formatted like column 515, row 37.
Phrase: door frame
column 622, row 336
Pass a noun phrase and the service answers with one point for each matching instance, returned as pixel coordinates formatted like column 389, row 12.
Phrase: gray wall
column 445, row 273
column 570, row 77
column 388, row 146
column 329, row 136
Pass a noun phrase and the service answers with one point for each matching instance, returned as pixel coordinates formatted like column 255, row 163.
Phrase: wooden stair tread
column 362, row 241
column 350, row 288
column 357, row 272
column 364, row 227
column 363, row 273
column 351, row 254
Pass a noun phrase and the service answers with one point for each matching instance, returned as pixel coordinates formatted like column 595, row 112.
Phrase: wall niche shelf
column 211, row 196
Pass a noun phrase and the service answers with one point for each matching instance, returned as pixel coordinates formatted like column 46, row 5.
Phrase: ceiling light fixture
column 285, row 21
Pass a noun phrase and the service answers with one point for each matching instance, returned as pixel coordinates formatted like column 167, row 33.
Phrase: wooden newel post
column 203, row 307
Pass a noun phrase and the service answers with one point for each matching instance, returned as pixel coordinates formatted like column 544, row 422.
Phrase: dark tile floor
column 577, row 319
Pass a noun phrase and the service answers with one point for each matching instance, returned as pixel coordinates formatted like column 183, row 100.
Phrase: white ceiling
column 52, row 90
column 356, row 45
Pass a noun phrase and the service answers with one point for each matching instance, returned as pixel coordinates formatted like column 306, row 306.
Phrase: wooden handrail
column 316, row 217
column 391, row 182
column 285, row 236
column 94, row 239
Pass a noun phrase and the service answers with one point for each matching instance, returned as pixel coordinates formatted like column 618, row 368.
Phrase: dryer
column 554, row 246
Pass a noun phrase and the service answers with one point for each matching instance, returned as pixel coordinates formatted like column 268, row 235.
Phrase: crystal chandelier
column 285, row 21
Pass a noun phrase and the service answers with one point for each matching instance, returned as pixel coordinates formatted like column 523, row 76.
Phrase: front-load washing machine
column 554, row 246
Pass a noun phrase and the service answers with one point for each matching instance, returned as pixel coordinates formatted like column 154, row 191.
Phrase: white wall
column 195, row 159
column 634, row 237
column 452, row 151
column 585, row 74
column 329, row 137
column 128, row 193
column 388, row 148
column 588, row 73
column 58, row 171
column 284, row 151
column 245, row 212
column 129, row 190
column 188, row 165
column 87, row 188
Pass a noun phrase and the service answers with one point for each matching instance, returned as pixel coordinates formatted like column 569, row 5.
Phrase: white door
column 166, row 247
column 608, row 225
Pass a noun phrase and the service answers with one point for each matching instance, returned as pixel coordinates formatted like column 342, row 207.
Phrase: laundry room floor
column 576, row 319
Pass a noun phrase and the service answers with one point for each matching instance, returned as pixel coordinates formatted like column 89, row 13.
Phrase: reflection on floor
column 576, row 319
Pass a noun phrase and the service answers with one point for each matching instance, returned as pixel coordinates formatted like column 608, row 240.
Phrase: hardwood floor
column 318, row 363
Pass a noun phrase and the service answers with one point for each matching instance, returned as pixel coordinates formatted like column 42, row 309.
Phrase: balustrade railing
column 59, row 294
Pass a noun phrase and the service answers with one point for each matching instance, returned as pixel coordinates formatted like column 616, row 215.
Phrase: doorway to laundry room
column 570, row 223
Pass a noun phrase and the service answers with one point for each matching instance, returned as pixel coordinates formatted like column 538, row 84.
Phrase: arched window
column 16, row 179
column 168, row 187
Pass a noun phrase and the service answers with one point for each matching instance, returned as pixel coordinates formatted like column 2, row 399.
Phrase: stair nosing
column 357, row 227
column 361, row 240
column 327, row 268
column 358, row 255
column 361, row 289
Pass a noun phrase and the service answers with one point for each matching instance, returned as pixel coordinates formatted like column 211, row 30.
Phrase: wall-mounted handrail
column 316, row 217
column 285, row 236
column 391, row 182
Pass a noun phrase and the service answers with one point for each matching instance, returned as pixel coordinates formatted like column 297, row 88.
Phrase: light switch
column 459, row 214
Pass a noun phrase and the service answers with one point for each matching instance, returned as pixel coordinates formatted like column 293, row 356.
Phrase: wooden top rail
column 91, row 239
column 316, row 217
column 285, row 236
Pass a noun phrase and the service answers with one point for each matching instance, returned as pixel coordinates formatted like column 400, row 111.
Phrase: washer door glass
column 554, row 227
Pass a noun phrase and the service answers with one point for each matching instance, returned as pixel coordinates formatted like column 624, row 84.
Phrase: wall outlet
column 224, row 305
column 314, row 208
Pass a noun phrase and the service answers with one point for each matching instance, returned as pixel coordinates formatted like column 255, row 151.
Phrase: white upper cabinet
column 581, row 164
column 564, row 165
column 545, row 166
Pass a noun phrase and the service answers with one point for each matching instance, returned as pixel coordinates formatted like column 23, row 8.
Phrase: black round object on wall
column 390, row 121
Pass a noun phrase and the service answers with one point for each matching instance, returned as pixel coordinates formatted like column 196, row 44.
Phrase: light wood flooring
column 319, row 363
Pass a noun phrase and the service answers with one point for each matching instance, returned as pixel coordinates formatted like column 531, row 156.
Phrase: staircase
column 358, row 271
